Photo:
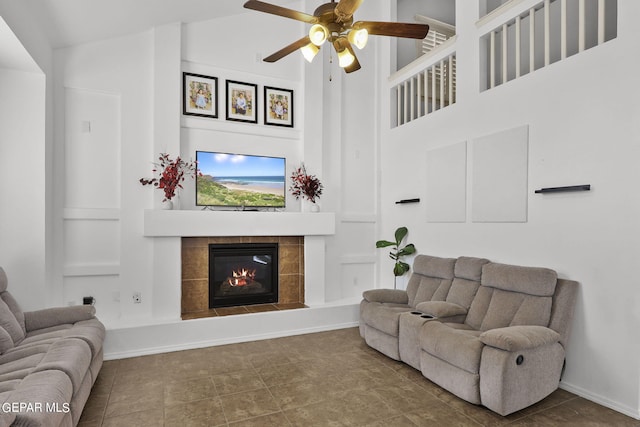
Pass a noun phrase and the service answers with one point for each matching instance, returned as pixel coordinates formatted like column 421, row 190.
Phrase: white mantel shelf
column 184, row 223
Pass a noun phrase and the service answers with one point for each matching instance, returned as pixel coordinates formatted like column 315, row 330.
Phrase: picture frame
column 199, row 95
column 242, row 101
column 278, row 106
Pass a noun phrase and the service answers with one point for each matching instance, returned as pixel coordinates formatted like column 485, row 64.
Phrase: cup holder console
column 423, row 315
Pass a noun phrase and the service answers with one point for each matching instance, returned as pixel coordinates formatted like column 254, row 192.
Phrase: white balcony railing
column 430, row 85
column 531, row 35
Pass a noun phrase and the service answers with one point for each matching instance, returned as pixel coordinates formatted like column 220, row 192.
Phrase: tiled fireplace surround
column 195, row 269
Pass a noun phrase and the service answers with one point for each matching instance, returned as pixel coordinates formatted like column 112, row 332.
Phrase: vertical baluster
column 518, row 41
column 425, row 75
column 418, row 92
column 492, row 60
column 433, row 88
column 412, row 100
column 547, row 32
column 563, row 29
column 406, row 101
column 450, row 79
column 505, row 70
column 601, row 18
column 532, row 40
column 581, row 26
column 442, row 83
column 399, row 105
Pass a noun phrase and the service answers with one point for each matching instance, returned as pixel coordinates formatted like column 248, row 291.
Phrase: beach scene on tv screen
column 240, row 180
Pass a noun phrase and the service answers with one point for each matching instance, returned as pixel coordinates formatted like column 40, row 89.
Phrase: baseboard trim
column 600, row 400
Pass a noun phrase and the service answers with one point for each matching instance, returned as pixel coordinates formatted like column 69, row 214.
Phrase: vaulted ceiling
column 71, row 22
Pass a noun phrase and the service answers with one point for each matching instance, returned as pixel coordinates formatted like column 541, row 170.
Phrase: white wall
column 25, row 159
column 583, row 129
column 22, row 170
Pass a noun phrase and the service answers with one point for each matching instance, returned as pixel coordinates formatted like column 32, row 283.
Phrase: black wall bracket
column 586, row 187
column 404, row 201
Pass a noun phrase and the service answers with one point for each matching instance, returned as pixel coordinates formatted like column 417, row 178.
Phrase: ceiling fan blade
column 345, row 9
column 261, row 6
column 355, row 65
column 393, row 29
column 288, row 49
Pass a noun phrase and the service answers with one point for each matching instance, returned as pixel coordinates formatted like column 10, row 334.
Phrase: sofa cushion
column 15, row 309
column 6, row 342
column 529, row 280
column 51, row 317
column 466, row 282
column 69, row 355
column 462, row 292
column 46, row 387
column 512, row 308
column 458, row 347
column 441, row 308
column 430, row 280
column 384, row 318
column 517, row 338
column 394, row 296
column 6, row 418
column 21, row 352
column 4, row 282
column 469, row 268
column 9, row 322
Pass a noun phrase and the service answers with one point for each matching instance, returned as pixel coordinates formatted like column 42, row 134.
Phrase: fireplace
column 243, row 274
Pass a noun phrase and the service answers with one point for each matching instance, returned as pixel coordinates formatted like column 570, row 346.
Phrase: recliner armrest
column 517, row 338
column 49, row 317
column 393, row 296
column 441, row 308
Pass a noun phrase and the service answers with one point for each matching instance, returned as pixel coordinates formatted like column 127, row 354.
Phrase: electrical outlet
column 137, row 297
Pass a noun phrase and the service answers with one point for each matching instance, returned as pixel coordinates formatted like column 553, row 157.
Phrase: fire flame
column 242, row 277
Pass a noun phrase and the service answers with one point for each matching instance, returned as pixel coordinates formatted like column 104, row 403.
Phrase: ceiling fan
column 333, row 22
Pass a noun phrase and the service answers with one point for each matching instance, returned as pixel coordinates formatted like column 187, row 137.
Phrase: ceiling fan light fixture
column 309, row 51
column 359, row 37
column 345, row 58
column 318, row 33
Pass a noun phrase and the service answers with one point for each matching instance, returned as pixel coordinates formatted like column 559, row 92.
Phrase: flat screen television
column 240, row 180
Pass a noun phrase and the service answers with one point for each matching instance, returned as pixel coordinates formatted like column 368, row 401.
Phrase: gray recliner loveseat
column 49, row 360
column 495, row 337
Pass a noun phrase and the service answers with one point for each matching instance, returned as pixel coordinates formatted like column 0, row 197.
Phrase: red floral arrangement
column 171, row 174
column 303, row 185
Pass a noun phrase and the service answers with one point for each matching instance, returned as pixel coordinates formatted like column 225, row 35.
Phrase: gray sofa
column 49, row 360
column 492, row 334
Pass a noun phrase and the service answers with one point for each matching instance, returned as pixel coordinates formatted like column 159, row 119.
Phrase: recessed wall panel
column 500, row 176
column 91, row 242
column 92, row 149
column 446, row 189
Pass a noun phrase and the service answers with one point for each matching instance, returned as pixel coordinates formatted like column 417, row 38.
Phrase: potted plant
column 305, row 186
column 398, row 252
column 169, row 176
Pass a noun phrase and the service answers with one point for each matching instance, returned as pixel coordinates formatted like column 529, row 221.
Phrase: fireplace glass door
column 243, row 274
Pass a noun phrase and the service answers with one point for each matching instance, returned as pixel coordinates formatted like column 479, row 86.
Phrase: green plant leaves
column 399, row 267
column 384, row 243
column 407, row 250
column 401, row 233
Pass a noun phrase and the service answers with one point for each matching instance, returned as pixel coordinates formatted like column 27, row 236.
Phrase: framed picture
column 278, row 107
column 199, row 95
column 242, row 101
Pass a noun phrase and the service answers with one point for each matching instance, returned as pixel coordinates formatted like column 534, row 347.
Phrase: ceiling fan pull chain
column 330, row 66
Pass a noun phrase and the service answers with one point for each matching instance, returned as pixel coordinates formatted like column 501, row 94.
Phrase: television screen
column 240, row 180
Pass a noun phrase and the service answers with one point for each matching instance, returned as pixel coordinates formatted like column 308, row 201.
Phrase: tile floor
column 323, row 379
